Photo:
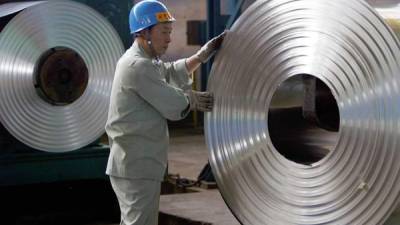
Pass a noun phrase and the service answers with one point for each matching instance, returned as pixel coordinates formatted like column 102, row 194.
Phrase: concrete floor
column 187, row 156
column 187, row 153
column 206, row 206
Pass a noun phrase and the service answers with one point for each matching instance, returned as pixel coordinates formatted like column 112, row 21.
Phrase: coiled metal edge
column 346, row 45
column 26, row 37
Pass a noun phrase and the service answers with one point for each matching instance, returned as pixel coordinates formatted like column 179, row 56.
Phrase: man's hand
column 201, row 101
column 210, row 48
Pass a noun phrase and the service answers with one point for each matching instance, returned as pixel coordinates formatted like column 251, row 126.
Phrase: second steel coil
column 56, row 71
column 347, row 46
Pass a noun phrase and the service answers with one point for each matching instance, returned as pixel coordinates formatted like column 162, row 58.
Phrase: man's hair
column 137, row 34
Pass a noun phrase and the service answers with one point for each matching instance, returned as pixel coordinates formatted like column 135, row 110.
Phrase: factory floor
column 187, row 157
column 94, row 203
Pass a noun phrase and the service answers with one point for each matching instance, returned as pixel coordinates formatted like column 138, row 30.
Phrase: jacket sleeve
column 170, row 101
column 178, row 74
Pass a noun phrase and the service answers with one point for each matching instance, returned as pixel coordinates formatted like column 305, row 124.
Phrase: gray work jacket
column 145, row 93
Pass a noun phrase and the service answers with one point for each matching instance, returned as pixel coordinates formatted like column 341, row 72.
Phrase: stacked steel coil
column 56, row 70
column 270, row 51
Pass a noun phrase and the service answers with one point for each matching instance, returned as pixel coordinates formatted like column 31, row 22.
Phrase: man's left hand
column 211, row 47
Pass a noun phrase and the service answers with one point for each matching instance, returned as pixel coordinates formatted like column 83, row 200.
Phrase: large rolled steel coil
column 272, row 165
column 56, row 70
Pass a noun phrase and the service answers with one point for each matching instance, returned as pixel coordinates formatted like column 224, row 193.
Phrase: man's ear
column 145, row 34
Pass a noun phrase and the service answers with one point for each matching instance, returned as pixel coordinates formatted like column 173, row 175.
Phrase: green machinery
column 19, row 164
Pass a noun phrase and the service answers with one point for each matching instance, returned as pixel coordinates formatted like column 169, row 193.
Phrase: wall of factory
column 183, row 11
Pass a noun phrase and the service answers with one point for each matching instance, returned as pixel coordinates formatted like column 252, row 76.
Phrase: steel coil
column 351, row 176
column 56, row 70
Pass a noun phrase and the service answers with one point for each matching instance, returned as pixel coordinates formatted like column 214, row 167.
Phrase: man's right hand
column 201, row 101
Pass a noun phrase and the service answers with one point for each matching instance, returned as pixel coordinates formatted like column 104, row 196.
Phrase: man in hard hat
column 145, row 93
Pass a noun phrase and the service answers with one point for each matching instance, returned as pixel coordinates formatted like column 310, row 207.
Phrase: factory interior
column 303, row 130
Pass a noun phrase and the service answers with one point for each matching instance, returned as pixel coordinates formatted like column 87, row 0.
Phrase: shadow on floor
column 78, row 203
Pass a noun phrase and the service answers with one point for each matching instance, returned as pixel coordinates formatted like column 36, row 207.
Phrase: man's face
column 161, row 37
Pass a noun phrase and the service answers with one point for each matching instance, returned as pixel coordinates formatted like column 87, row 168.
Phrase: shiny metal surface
column 390, row 12
column 29, row 34
column 346, row 45
column 14, row 7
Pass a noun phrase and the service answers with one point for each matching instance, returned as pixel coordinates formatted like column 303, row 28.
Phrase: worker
column 147, row 92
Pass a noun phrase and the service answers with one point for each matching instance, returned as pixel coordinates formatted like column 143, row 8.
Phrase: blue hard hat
column 148, row 13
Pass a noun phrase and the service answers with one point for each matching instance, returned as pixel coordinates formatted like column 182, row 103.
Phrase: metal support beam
column 213, row 20
column 216, row 24
column 235, row 7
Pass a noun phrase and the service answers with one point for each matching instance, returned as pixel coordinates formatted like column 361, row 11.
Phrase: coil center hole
column 61, row 76
column 303, row 119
